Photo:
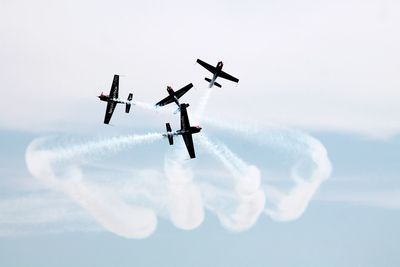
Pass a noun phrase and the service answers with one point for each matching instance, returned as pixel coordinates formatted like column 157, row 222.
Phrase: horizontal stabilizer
column 168, row 126
column 127, row 107
column 207, row 79
column 217, row 84
column 169, row 134
column 130, row 96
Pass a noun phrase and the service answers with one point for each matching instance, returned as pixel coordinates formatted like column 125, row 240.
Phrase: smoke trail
column 288, row 205
column 108, row 210
column 185, row 203
column 110, row 145
column 292, row 204
column 202, row 104
column 219, row 153
column 145, row 105
column 239, row 208
column 151, row 107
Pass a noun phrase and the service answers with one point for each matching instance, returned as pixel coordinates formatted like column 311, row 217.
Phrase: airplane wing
column 207, row 66
column 228, row 77
column 187, row 137
column 189, row 144
column 183, row 90
column 114, row 87
column 109, row 111
column 165, row 101
column 185, row 124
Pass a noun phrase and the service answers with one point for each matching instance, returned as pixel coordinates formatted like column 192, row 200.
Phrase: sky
column 297, row 164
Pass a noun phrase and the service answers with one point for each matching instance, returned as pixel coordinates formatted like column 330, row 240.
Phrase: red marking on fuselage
column 195, row 129
column 103, row 97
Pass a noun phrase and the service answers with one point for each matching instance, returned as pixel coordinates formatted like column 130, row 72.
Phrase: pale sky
column 297, row 164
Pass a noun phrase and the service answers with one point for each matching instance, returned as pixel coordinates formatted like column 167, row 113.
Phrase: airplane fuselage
column 216, row 74
column 171, row 92
column 107, row 99
column 191, row 130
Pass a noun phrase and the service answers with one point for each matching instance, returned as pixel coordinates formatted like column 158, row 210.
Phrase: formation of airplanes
column 186, row 130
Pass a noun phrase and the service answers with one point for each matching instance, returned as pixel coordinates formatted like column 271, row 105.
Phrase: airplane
column 217, row 72
column 112, row 100
column 186, row 131
column 174, row 96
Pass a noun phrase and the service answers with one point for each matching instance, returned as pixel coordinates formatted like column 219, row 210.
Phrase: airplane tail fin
column 130, row 96
column 169, row 134
column 127, row 107
column 207, row 79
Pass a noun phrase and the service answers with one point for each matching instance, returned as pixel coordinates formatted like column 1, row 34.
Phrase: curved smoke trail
column 290, row 204
column 287, row 205
column 185, row 203
column 240, row 207
column 111, row 212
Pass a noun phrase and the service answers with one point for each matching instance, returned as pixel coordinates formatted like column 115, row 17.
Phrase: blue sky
column 332, row 232
column 297, row 164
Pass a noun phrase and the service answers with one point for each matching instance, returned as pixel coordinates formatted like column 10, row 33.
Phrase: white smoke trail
column 109, row 145
column 151, row 107
column 108, row 210
column 216, row 151
column 185, row 204
column 144, row 105
column 289, row 205
column 199, row 114
column 243, row 204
